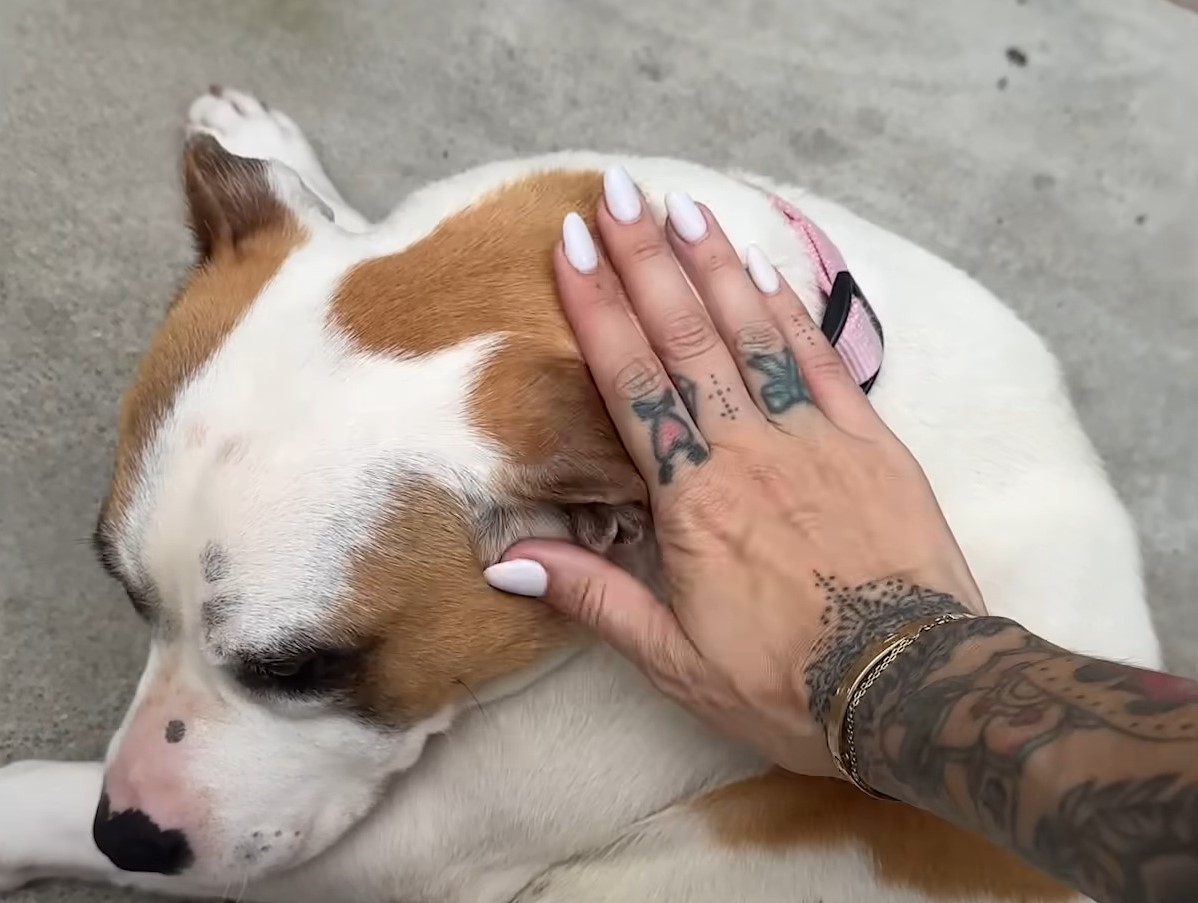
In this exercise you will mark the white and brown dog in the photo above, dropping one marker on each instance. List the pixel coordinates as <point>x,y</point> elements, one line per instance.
<point>339,424</point>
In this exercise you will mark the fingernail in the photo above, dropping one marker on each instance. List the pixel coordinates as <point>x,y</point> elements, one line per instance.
<point>623,200</point>
<point>521,576</point>
<point>579,246</point>
<point>685,216</point>
<point>761,271</point>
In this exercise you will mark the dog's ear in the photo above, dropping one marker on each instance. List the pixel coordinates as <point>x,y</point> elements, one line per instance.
<point>574,476</point>
<point>229,198</point>
<point>588,476</point>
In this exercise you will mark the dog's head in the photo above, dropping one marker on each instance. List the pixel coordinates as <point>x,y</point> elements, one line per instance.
<point>324,445</point>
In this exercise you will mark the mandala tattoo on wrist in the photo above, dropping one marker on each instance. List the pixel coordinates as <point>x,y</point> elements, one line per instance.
<point>857,617</point>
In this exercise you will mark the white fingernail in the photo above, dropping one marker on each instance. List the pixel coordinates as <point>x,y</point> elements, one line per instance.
<point>623,200</point>
<point>685,216</point>
<point>579,246</point>
<point>521,576</point>
<point>761,271</point>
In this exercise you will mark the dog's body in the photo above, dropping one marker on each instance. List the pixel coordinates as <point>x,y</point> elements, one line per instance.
<point>339,424</point>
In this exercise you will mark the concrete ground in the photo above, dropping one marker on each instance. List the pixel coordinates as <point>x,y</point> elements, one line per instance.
<point>1048,147</point>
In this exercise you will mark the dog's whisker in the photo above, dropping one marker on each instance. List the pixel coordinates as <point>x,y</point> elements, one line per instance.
<point>477,702</point>
<point>245,883</point>
<point>466,687</point>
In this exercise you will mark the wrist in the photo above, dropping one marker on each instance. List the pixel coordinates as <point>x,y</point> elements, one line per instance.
<point>884,721</point>
<point>857,683</point>
<point>855,619</point>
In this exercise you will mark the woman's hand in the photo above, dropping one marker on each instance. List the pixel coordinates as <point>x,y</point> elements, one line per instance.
<point>784,508</point>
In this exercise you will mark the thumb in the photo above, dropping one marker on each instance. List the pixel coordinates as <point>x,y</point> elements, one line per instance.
<point>593,591</point>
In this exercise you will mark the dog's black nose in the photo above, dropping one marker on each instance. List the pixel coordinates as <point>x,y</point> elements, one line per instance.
<point>135,844</point>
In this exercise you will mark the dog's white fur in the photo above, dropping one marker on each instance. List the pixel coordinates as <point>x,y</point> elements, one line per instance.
<point>570,784</point>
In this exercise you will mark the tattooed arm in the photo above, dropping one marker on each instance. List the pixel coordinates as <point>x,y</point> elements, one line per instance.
<point>1086,768</point>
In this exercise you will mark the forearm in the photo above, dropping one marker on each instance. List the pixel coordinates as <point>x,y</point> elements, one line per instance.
<point>1085,768</point>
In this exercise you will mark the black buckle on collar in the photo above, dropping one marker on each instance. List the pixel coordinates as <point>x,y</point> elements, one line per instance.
<point>836,314</point>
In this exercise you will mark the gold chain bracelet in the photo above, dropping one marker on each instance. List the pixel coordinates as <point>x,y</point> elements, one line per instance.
<point>858,681</point>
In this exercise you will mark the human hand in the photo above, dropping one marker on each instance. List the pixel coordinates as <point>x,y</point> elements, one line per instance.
<point>782,504</point>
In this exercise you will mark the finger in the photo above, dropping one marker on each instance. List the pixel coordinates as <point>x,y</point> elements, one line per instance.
<point>673,319</point>
<point>608,600</point>
<point>829,382</point>
<point>659,433</point>
<point>767,363</point>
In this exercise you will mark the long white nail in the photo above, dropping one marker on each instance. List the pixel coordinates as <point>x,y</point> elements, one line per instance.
<point>521,576</point>
<point>685,216</point>
<point>761,271</point>
<point>579,246</point>
<point>623,200</point>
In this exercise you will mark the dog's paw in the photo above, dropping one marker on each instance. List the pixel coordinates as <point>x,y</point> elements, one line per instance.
<point>248,128</point>
<point>46,810</point>
<point>15,872</point>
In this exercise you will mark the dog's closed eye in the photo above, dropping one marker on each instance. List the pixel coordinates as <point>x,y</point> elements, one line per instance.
<point>311,672</point>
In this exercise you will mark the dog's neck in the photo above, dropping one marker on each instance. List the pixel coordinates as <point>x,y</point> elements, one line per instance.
<point>563,767</point>
<point>585,749</point>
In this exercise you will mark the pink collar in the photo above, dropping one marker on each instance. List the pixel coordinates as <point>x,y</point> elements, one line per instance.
<point>849,322</point>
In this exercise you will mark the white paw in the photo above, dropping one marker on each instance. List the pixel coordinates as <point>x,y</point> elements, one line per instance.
<point>45,820</point>
<point>248,128</point>
<point>15,873</point>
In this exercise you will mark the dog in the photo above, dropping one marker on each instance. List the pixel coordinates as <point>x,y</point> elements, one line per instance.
<point>340,423</point>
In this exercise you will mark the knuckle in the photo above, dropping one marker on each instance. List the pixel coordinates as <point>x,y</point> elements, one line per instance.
<point>590,601</point>
<point>646,249</point>
<point>824,366</point>
<point>711,508</point>
<point>769,475</point>
<point>761,337</point>
<point>719,260</point>
<point>688,335</point>
<point>638,378</point>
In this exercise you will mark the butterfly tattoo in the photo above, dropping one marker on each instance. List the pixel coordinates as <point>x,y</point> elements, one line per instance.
<point>783,388</point>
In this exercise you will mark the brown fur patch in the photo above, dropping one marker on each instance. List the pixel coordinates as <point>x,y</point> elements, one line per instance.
<point>419,593</point>
<point>485,269</point>
<point>910,848</point>
<point>244,234</point>
<point>434,628</point>
<point>489,270</point>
